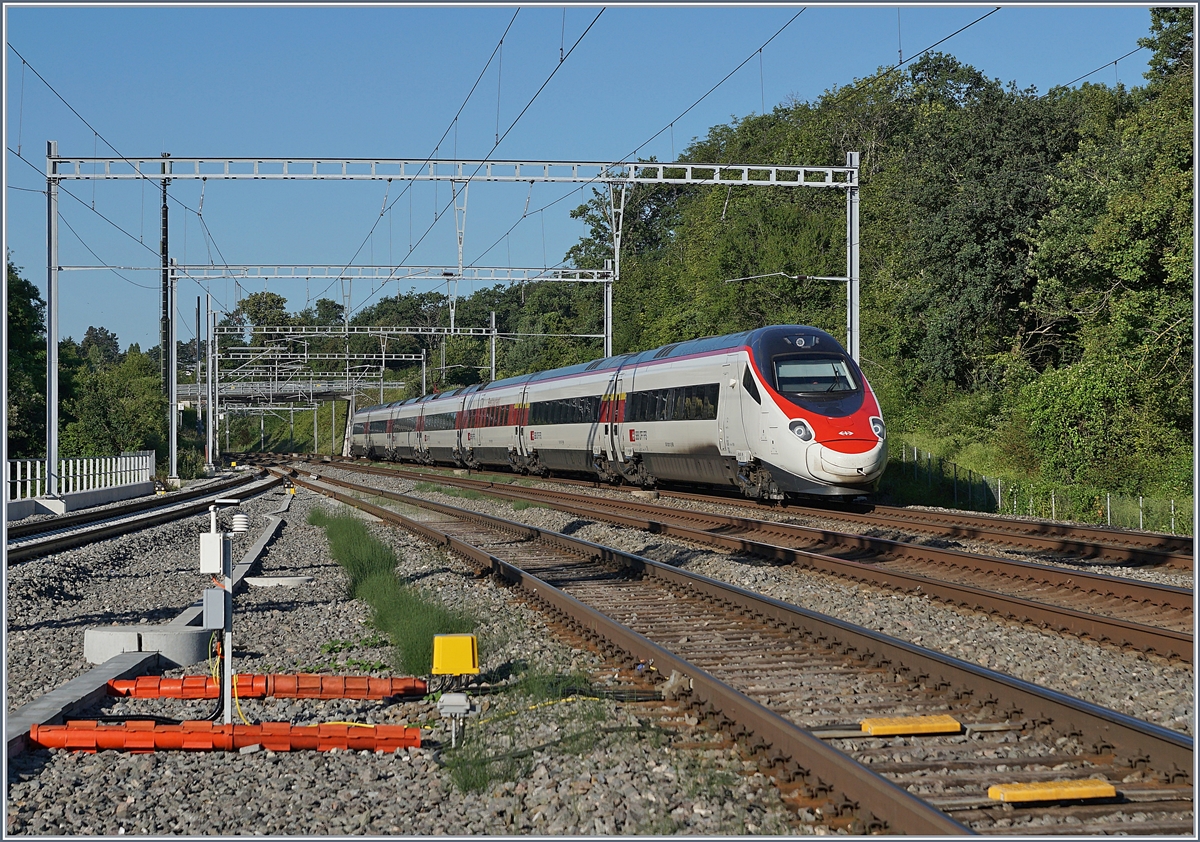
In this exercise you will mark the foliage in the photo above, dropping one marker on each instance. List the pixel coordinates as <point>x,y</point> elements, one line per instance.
<point>101,347</point>
<point>117,408</point>
<point>26,386</point>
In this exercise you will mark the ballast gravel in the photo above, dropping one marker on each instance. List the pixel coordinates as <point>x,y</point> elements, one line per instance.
<point>143,578</point>
<point>589,766</point>
<point>1127,682</point>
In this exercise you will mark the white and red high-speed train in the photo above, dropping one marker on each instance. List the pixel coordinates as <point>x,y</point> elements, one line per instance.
<point>778,411</point>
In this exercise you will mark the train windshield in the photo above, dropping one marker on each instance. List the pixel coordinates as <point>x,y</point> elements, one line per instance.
<point>812,375</point>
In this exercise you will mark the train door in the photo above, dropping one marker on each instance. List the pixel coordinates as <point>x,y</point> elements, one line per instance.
<point>466,426</point>
<point>614,398</point>
<point>521,409</point>
<point>730,429</point>
<point>751,410</point>
<point>622,443</point>
<point>460,421</point>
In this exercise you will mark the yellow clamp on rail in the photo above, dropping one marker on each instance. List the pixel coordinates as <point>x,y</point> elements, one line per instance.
<point>1052,791</point>
<point>890,726</point>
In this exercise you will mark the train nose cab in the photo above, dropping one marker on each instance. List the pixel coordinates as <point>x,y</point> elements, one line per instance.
<point>835,432</point>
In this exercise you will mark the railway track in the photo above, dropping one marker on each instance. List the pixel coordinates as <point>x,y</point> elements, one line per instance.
<point>1101,545</point>
<point>52,535</point>
<point>795,687</point>
<point>1138,615</point>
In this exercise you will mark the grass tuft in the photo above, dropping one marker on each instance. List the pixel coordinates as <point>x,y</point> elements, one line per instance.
<point>409,618</point>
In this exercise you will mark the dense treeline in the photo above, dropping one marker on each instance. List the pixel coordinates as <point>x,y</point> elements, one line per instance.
<point>1026,264</point>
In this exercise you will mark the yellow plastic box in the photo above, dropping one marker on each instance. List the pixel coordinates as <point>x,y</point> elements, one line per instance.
<point>455,654</point>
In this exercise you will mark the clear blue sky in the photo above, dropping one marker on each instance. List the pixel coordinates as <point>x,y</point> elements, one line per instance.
<point>386,82</point>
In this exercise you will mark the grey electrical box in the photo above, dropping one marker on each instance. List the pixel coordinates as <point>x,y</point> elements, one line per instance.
<point>214,608</point>
<point>216,551</point>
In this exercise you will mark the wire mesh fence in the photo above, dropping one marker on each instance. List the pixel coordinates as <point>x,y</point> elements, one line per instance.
<point>919,477</point>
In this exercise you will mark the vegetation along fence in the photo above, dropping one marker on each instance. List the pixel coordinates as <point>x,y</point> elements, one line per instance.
<point>918,477</point>
<point>26,478</point>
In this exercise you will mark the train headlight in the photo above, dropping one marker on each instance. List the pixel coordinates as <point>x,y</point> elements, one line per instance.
<point>801,429</point>
<point>877,426</point>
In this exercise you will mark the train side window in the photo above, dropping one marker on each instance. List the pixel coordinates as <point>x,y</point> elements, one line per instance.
<point>750,386</point>
<point>712,394</point>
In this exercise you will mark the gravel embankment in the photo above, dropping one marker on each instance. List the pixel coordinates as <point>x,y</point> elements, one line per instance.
<point>1123,681</point>
<point>618,770</point>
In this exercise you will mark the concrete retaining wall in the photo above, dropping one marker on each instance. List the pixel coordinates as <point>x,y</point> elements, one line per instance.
<point>77,500</point>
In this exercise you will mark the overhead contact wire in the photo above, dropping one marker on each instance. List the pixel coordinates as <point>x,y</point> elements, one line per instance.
<point>428,159</point>
<point>488,156</point>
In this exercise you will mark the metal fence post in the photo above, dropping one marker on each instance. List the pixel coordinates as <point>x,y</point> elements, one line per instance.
<point>999,496</point>
<point>1053,509</point>
<point>1108,505</point>
<point>1172,515</point>
<point>1141,519</point>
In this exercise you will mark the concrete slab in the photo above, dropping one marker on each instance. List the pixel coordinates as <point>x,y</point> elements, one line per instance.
<point>77,500</point>
<point>179,646</point>
<point>76,695</point>
<point>105,642</point>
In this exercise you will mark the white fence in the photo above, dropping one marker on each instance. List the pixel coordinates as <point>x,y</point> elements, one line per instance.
<point>25,478</point>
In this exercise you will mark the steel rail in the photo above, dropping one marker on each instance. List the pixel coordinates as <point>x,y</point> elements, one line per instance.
<point>57,543</point>
<point>1147,592</point>
<point>21,530</point>
<point>1116,546</point>
<point>1134,742</point>
<point>878,802</point>
<point>1169,643</point>
<point>1113,545</point>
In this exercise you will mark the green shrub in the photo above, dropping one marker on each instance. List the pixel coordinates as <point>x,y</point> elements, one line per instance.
<point>409,618</point>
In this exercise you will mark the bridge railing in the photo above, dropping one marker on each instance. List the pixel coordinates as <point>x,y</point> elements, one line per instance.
<point>26,478</point>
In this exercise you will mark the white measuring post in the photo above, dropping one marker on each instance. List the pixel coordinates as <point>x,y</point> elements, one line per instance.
<point>216,556</point>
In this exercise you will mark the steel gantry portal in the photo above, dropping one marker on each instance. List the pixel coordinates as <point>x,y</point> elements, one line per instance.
<point>618,177</point>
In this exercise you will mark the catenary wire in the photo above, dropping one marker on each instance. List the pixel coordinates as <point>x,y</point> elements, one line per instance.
<point>429,158</point>
<point>142,177</point>
<point>63,189</point>
<point>103,263</point>
<point>670,126</point>
<point>489,154</point>
<point>1097,70</point>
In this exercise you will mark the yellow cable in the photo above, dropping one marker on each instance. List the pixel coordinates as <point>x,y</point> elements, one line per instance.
<point>237,703</point>
<point>354,724</point>
<point>537,706</point>
<point>212,663</point>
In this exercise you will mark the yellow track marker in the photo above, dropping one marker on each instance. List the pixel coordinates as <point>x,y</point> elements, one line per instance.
<point>886,726</point>
<point>1052,791</point>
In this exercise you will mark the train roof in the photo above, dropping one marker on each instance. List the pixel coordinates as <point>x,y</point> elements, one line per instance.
<point>688,347</point>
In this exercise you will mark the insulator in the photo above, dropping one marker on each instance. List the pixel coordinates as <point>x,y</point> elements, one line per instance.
<point>241,522</point>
